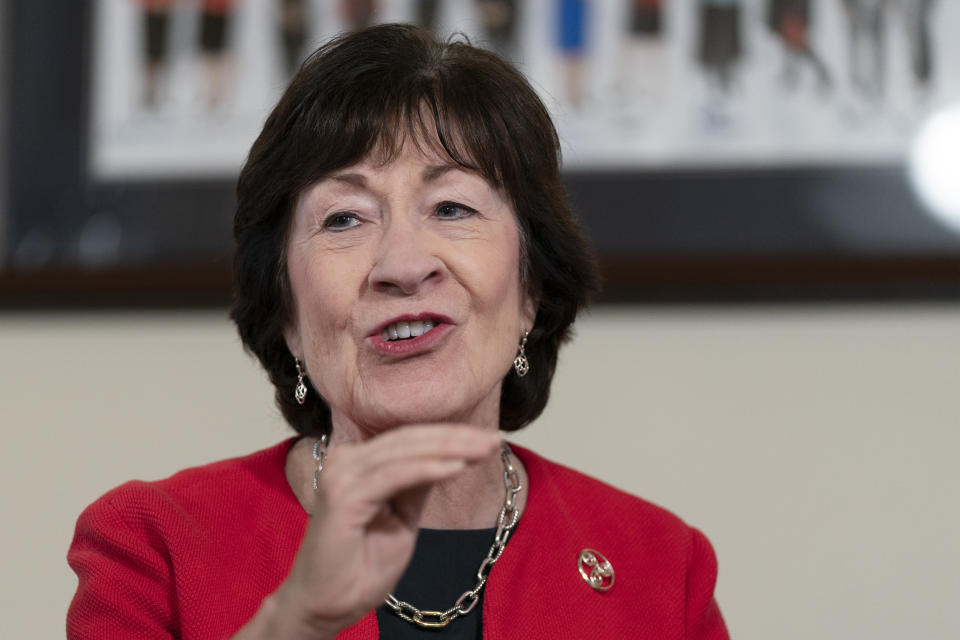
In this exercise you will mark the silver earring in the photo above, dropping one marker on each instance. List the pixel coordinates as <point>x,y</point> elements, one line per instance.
<point>300,392</point>
<point>520,364</point>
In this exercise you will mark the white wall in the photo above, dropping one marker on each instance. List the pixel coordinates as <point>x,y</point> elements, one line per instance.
<point>815,446</point>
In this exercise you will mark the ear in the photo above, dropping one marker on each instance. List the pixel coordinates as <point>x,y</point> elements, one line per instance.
<point>291,335</point>
<point>528,312</point>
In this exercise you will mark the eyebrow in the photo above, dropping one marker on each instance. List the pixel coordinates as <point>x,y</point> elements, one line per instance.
<point>435,172</point>
<point>355,179</point>
<point>430,174</point>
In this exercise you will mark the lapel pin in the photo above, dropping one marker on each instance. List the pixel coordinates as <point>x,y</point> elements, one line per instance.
<point>595,569</point>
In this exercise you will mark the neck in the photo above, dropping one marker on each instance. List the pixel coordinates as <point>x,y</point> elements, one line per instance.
<point>472,500</point>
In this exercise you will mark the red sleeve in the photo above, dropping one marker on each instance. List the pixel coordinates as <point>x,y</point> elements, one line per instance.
<point>124,580</point>
<point>704,621</point>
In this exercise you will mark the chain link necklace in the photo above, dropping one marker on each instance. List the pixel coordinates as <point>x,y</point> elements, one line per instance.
<point>506,521</point>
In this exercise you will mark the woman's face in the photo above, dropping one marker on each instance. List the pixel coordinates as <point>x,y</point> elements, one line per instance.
<point>417,247</point>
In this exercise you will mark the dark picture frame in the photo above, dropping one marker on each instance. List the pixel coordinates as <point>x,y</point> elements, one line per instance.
<point>751,234</point>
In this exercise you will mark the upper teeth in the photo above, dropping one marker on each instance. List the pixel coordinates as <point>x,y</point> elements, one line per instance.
<point>404,329</point>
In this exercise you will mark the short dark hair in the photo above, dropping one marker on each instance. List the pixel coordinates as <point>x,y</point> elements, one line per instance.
<point>366,92</point>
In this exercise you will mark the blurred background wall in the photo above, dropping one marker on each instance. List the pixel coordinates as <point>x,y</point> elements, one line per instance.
<point>797,401</point>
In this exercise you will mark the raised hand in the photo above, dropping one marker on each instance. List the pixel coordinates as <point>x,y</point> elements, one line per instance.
<point>364,526</point>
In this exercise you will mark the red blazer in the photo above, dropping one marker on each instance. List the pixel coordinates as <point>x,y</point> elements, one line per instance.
<point>194,555</point>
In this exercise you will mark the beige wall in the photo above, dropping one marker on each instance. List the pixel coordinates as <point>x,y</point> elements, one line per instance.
<point>815,446</point>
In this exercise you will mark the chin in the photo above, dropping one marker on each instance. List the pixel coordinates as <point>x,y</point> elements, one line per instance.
<point>401,409</point>
<point>412,413</point>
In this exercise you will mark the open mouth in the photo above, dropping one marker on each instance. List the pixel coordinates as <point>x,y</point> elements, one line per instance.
<point>407,329</point>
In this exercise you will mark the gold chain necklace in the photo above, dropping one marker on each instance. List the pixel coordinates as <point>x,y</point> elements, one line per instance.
<point>506,521</point>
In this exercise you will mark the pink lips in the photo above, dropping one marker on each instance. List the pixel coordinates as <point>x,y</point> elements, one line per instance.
<point>411,346</point>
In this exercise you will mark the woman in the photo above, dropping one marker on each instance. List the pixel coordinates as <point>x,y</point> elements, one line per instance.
<point>406,270</point>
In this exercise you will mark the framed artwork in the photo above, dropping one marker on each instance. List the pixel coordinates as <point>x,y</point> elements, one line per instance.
<point>4,120</point>
<point>715,149</point>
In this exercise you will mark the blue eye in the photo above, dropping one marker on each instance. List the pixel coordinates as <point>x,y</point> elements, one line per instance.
<point>340,222</point>
<point>454,211</point>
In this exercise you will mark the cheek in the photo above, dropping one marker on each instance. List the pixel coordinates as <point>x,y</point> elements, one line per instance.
<point>323,307</point>
<point>508,276</point>
<point>499,281</point>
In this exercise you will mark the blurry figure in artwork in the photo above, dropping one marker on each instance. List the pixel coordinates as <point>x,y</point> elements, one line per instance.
<point>867,56</point>
<point>643,59</point>
<point>916,19</point>
<point>358,14</point>
<point>498,19</point>
<point>293,32</point>
<point>215,18</point>
<point>790,21</point>
<point>426,14</point>
<point>719,51</point>
<point>572,18</point>
<point>720,42</point>
<point>156,26</point>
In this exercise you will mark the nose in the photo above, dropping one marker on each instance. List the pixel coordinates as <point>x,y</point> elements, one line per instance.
<point>405,262</point>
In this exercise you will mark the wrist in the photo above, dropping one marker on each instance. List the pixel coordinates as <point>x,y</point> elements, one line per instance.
<point>280,619</point>
<point>292,618</point>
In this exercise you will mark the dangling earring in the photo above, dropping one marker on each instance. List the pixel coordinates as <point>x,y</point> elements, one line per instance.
<point>300,391</point>
<point>520,364</point>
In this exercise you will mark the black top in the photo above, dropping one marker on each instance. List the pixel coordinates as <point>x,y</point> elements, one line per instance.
<point>444,565</point>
